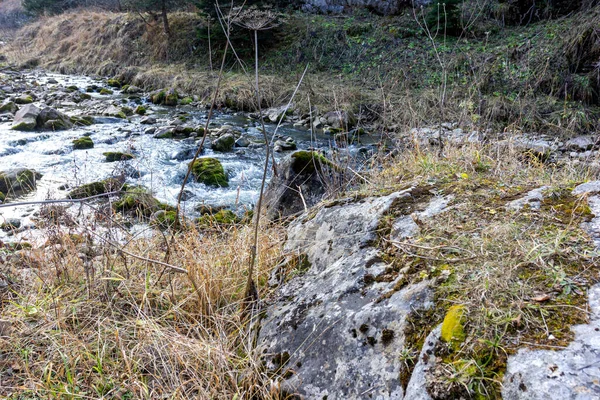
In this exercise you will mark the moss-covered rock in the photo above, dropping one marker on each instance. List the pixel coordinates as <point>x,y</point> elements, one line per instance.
<point>106,92</point>
<point>308,162</point>
<point>210,172</point>
<point>127,111</point>
<point>18,181</point>
<point>72,89</point>
<point>222,217</point>
<point>82,143</point>
<point>165,219</point>
<point>82,120</point>
<point>224,143</point>
<point>140,110</point>
<point>186,100</point>
<point>8,106</point>
<point>95,188</point>
<point>2,197</point>
<point>112,156</point>
<point>453,330</point>
<point>138,200</point>
<point>25,99</point>
<point>114,83</point>
<point>158,97</point>
<point>171,98</point>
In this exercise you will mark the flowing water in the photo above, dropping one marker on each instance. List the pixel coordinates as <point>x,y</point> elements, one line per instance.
<point>160,164</point>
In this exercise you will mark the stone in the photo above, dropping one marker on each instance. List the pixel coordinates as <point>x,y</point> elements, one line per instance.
<point>572,373</point>
<point>243,141</point>
<point>209,171</point>
<point>533,199</point>
<point>24,99</point>
<point>415,390</point>
<point>284,145</point>
<point>333,330</point>
<point>10,224</point>
<point>580,143</point>
<point>340,119</point>
<point>18,181</point>
<point>148,121</point>
<point>224,143</point>
<point>302,172</point>
<point>51,119</point>
<point>83,143</point>
<point>26,118</point>
<point>95,188</point>
<point>8,107</point>
<point>113,156</point>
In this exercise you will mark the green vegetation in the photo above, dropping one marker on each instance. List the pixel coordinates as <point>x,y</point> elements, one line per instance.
<point>113,156</point>
<point>95,188</point>
<point>210,172</point>
<point>84,142</point>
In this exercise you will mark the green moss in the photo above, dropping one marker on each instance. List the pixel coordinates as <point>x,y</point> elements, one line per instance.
<point>72,88</point>
<point>139,201</point>
<point>167,135</point>
<point>82,120</point>
<point>2,197</point>
<point>308,162</point>
<point>84,142</point>
<point>223,217</point>
<point>24,126</point>
<point>124,88</point>
<point>105,91</point>
<point>127,111</point>
<point>158,97</point>
<point>24,100</point>
<point>95,188</point>
<point>171,98</point>
<point>112,156</point>
<point>140,110</point>
<point>186,101</point>
<point>114,83</point>
<point>210,172</point>
<point>453,330</point>
<point>166,219</point>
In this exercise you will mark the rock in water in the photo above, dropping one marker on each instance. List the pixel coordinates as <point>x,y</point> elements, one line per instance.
<point>18,181</point>
<point>301,173</point>
<point>26,118</point>
<point>224,143</point>
<point>334,330</point>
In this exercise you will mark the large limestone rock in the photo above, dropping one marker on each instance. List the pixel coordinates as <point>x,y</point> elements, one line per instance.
<point>572,373</point>
<point>336,330</point>
<point>31,117</point>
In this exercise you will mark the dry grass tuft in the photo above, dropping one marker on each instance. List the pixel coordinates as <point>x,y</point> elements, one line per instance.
<point>80,319</point>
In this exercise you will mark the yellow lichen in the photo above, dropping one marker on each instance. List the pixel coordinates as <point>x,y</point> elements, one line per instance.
<point>453,330</point>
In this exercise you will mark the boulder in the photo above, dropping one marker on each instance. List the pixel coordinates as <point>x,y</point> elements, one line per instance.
<point>209,171</point>
<point>31,117</point>
<point>224,143</point>
<point>26,118</point>
<point>340,119</point>
<point>580,143</point>
<point>336,328</point>
<point>285,145</point>
<point>24,99</point>
<point>148,121</point>
<point>18,181</point>
<point>302,172</point>
<point>8,107</point>
<point>96,188</point>
<point>83,143</point>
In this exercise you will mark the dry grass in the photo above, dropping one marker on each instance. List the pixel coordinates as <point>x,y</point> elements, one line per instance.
<point>522,275</point>
<point>129,329</point>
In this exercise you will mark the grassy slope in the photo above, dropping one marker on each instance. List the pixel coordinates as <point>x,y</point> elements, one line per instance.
<point>532,78</point>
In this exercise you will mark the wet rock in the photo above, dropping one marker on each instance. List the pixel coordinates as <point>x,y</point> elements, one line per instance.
<point>298,184</point>
<point>26,118</point>
<point>18,181</point>
<point>10,224</point>
<point>24,99</point>
<point>52,119</point>
<point>148,121</point>
<point>425,364</point>
<point>114,111</point>
<point>209,171</point>
<point>8,107</point>
<point>224,143</point>
<point>242,142</point>
<point>113,156</point>
<point>284,145</point>
<point>334,331</point>
<point>82,143</point>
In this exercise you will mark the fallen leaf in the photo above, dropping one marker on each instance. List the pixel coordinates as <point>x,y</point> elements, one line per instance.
<point>541,298</point>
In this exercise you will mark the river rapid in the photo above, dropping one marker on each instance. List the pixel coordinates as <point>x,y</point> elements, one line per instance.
<point>159,164</point>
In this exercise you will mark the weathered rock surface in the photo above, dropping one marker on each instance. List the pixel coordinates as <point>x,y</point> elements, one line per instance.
<point>572,373</point>
<point>569,374</point>
<point>31,117</point>
<point>224,143</point>
<point>533,199</point>
<point>334,328</point>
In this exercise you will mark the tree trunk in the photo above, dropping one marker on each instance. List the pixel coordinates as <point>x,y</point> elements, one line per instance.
<point>165,18</point>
